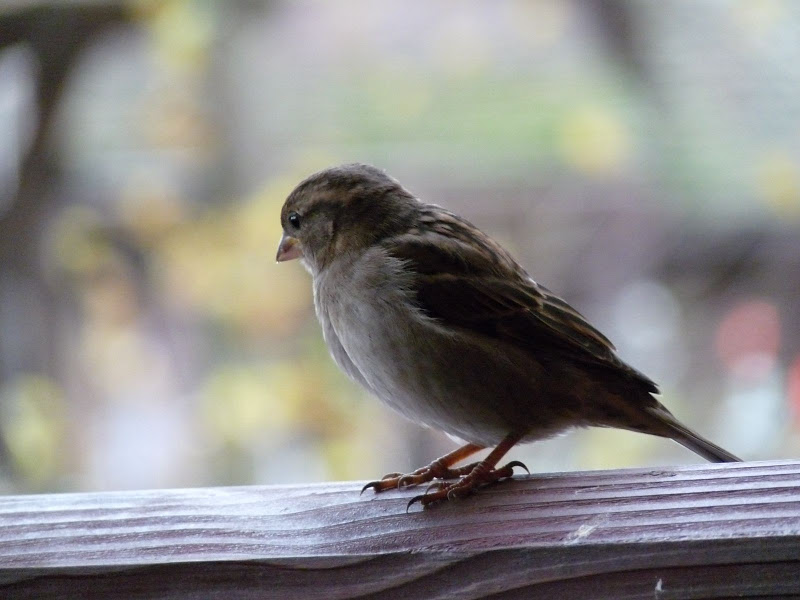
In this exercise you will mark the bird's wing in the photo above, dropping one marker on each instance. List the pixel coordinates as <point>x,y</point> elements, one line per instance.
<point>463,281</point>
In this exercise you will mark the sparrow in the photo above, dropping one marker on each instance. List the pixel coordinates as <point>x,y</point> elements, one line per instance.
<point>436,319</point>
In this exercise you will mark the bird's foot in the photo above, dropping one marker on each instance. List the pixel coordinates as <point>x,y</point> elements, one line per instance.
<point>436,470</point>
<point>479,475</point>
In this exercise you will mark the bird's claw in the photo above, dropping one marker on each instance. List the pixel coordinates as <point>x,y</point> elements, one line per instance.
<point>423,475</point>
<point>394,480</point>
<point>472,476</point>
<point>465,486</point>
<point>420,498</point>
<point>413,500</point>
<point>371,484</point>
<point>517,463</point>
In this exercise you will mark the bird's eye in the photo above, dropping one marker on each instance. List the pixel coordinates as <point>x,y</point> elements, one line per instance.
<point>294,220</point>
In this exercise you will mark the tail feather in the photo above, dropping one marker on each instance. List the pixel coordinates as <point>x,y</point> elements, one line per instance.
<point>689,439</point>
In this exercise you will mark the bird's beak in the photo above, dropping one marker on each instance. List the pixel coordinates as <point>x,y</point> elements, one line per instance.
<point>288,249</point>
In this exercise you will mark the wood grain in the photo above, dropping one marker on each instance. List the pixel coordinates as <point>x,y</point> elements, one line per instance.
<point>706,531</point>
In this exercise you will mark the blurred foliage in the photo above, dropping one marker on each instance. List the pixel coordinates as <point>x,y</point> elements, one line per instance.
<point>778,183</point>
<point>236,281</point>
<point>33,419</point>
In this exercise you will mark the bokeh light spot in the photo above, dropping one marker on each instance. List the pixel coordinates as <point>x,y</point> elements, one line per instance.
<point>594,140</point>
<point>778,182</point>
<point>748,338</point>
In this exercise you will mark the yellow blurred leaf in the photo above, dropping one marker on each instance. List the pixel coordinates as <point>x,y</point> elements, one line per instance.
<point>594,139</point>
<point>778,182</point>
<point>33,424</point>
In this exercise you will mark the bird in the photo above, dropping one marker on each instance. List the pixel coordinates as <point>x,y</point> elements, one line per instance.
<point>440,322</point>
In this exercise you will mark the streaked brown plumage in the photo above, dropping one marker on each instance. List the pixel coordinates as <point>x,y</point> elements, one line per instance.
<point>440,322</point>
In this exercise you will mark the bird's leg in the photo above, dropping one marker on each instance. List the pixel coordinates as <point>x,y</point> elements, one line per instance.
<point>438,469</point>
<point>481,474</point>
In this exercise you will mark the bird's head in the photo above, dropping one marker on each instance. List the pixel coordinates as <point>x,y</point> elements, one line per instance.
<point>342,210</point>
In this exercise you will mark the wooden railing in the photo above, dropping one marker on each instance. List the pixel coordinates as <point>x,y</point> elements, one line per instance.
<point>703,531</point>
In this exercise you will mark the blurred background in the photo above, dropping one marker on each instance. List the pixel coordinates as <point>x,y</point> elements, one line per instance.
<point>641,159</point>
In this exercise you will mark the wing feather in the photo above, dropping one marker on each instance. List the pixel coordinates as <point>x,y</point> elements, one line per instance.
<point>466,280</point>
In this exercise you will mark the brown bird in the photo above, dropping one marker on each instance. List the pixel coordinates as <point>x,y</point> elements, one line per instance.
<point>438,321</point>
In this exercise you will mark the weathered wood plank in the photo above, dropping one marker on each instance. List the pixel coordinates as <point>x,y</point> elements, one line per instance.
<point>706,531</point>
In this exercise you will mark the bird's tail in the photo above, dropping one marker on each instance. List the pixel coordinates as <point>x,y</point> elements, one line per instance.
<point>672,428</point>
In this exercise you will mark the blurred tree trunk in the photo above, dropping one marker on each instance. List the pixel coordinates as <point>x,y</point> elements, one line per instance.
<point>55,33</point>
